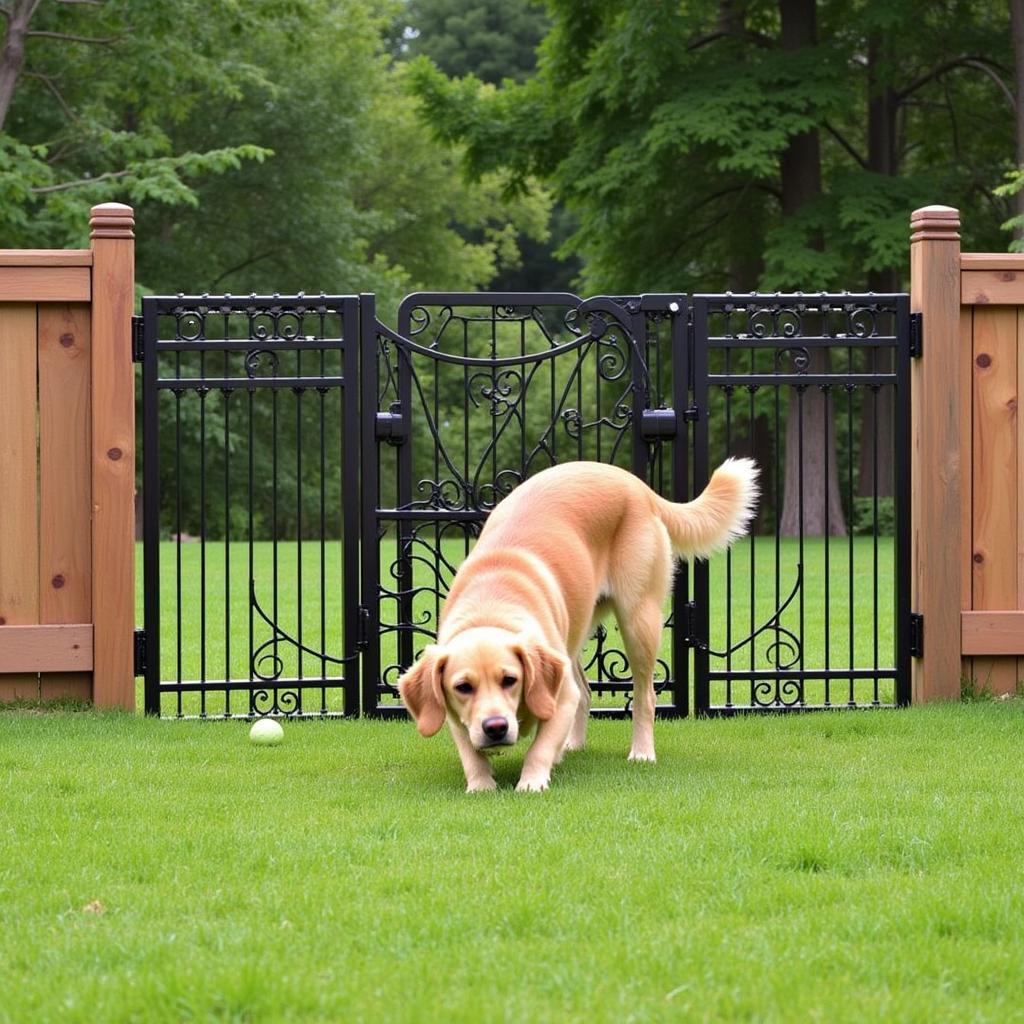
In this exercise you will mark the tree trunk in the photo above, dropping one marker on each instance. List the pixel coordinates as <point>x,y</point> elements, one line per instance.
<point>1017,23</point>
<point>811,502</point>
<point>883,158</point>
<point>13,58</point>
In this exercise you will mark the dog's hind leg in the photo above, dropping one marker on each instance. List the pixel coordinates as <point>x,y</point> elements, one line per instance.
<point>578,735</point>
<point>641,630</point>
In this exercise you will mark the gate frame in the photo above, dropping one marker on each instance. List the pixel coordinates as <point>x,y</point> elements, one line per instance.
<point>347,308</point>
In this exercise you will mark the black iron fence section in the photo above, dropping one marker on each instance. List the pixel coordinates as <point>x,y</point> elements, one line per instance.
<point>250,428</point>
<point>813,609</point>
<point>314,478</point>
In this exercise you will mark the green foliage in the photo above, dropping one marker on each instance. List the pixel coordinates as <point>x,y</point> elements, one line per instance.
<point>663,128</point>
<point>864,516</point>
<point>492,39</point>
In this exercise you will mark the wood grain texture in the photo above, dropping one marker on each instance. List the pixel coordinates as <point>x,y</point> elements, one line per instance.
<point>992,261</point>
<point>65,502</point>
<point>966,355</point>
<point>19,504</point>
<point>45,284</point>
<point>45,257</point>
<point>936,453</point>
<point>113,457</point>
<point>993,633</point>
<point>994,479</point>
<point>54,648</point>
<point>992,287</point>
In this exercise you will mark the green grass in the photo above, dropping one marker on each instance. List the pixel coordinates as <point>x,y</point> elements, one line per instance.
<point>227,623</point>
<point>840,867</point>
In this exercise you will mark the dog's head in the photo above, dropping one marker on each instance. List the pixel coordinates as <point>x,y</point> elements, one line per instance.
<point>482,677</point>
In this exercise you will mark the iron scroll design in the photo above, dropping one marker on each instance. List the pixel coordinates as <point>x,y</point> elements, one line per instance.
<point>596,332</point>
<point>268,649</point>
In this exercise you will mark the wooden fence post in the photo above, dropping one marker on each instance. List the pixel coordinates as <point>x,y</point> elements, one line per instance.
<point>113,455</point>
<point>935,445</point>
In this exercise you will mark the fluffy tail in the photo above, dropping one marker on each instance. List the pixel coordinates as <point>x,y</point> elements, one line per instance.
<point>719,515</point>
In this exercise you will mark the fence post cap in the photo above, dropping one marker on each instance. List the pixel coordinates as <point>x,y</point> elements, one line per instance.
<point>935,223</point>
<point>112,220</point>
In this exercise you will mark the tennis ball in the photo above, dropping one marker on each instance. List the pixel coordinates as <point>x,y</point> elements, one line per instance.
<point>265,732</point>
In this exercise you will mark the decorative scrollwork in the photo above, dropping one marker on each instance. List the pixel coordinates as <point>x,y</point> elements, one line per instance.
<point>274,702</point>
<point>777,693</point>
<point>799,356</point>
<point>774,321</point>
<point>785,639</point>
<point>254,363</point>
<point>189,325</point>
<point>267,651</point>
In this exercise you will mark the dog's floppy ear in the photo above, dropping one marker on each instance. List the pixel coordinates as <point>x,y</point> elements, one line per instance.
<point>543,669</point>
<point>421,691</point>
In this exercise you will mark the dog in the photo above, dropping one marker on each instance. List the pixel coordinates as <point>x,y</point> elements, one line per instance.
<point>565,548</point>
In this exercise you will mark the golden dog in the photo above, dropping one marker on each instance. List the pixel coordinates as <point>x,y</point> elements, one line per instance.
<point>564,548</point>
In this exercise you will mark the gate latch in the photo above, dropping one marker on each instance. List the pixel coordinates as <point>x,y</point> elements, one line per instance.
<point>139,653</point>
<point>137,336</point>
<point>391,426</point>
<point>916,635</point>
<point>657,424</point>
<point>362,627</point>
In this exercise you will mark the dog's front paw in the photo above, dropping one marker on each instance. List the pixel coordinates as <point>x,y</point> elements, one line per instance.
<point>533,783</point>
<point>642,754</point>
<point>483,784</point>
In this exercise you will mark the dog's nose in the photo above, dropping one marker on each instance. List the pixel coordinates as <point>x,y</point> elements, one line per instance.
<point>495,728</point>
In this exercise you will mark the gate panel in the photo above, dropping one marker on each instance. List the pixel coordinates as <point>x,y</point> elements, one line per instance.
<point>470,396</point>
<point>812,611</point>
<point>250,427</point>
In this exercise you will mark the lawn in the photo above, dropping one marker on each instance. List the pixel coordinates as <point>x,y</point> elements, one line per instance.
<point>835,867</point>
<point>735,612</point>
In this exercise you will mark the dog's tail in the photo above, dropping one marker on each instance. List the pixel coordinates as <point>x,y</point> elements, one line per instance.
<point>719,515</point>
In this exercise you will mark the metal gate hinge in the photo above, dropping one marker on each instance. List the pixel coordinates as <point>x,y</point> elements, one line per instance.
<point>139,652</point>
<point>391,426</point>
<point>691,414</point>
<point>362,627</point>
<point>916,335</point>
<point>657,423</point>
<point>137,343</point>
<point>916,635</point>
<point>689,623</point>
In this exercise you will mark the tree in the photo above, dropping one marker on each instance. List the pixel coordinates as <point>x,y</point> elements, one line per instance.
<point>88,89</point>
<point>683,137</point>
<point>494,40</point>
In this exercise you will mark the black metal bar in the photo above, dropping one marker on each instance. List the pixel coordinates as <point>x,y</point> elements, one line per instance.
<point>679,355</point>
<point>247,383</point>
<point>806,379</point>
<point>701,588</point>
<point>355,485</point>
<point>903,455</point>
<point>803,674</point>
<point>369,472</point>
<point>151,509</point>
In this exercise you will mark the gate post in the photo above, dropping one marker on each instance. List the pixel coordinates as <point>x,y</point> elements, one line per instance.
<point>113,455</point>
<point>935,450</point>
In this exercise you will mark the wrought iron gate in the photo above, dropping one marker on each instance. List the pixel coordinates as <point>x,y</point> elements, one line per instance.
<point>250,491</point>
<point>472,394</point>
<point>313,478</point>
<point>785,620</point>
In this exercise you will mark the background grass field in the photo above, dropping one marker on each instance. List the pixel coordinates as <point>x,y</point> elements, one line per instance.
<point>834,867</point>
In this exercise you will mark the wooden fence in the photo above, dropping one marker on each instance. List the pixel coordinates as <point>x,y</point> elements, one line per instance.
<point>67,468</point>
<point>969,461</point>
